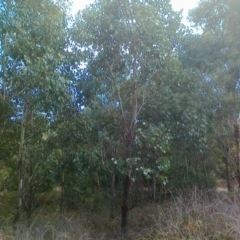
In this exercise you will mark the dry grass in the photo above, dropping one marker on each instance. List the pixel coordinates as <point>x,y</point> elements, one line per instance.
<point>46,229</point>
<point>198,216</point>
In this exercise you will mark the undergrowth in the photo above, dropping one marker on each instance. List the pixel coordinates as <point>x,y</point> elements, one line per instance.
<point>200,215</point>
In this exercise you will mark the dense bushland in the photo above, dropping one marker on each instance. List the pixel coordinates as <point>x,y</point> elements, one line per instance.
<point>115,112</point>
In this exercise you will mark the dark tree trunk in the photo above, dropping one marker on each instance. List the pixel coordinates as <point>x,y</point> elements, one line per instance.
<point>126,188</point>
<point>62,194</point>
<point>229,186</point>
<point>126,185</point>
<point>4,64</point>
<point>29,206</point>
<point>113,197</point>
<point>129,137</point>
<point>236,136</point>
<point>204,170</point>
<point>154,188</point>
<point>21,166</point>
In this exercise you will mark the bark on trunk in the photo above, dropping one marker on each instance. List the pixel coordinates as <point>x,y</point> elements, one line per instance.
<point>21,166</point>
<point>62,196</point>
<point>128,125</point>
<point>126,188</point>
<point>229,186</point>
<point>113,197</point>
<point>4,51</point>
<point>4,64</point>
<point>204,172</point>
<point>154,189</point>
<point>236,136</point>
<point>29,206</point>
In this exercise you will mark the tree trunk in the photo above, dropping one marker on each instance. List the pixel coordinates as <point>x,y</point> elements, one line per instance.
<point>129,137</point>
<point>62,196</point>
<point>113,197</point>
<point>30,199</point>
<point>229,186</point>
<point>4,63</point>
<point>204,172</point>
<point>236,136</point>
<point>21,166</point>
<point>4,51</point>
<point>126,186</point>
<point>126,189</point>
<point>154,189</point>
<point>196,172</point>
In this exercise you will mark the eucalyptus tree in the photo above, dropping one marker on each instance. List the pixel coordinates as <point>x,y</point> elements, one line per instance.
<point>213,55</point>
<point>129,46</point>
<point>8,129</point>
<point>33,41</point>
<point>180,105</point>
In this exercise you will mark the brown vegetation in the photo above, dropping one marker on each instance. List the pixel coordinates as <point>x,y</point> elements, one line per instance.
<point>200,215</point>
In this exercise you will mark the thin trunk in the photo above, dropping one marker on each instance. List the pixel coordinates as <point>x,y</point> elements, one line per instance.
<point>4,64</point>
<point>126,185</point>
<point>21,166</point>
<point>113,185</point>
<point>204,172</point>
<point>154,189</point>
<point>30,199</point>
<point>236,136</point>
<point>62,196</point>
<point>150,195</point>
<point>98,181</point>
<point>126,189</point>
<point>113,197</point>
<point>229,186</point>
<point>129,137</point>
<point>196,169</point>
<point>3,48</point>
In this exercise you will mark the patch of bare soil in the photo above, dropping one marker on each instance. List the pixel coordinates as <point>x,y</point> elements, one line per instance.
<point>222,185</point>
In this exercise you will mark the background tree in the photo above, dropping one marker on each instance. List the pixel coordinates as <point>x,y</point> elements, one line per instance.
<point>33,83</point>
<point>121,103</point>
<point>219,71</point>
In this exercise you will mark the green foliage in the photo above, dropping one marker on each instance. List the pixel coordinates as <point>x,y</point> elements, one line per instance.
<point>218,71</point>
<point>123,89</point>
<point>120,36</point>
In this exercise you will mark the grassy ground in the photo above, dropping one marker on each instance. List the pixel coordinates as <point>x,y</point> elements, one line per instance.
<point>198,216</point>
